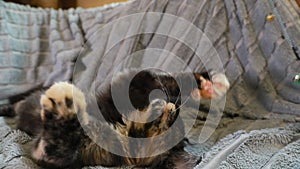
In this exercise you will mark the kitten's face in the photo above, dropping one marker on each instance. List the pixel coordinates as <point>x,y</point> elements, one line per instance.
<point>209,89</point>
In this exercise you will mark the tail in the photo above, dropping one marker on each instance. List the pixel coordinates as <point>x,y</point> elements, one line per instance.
<point>7,110</point>
<point>182,160</point>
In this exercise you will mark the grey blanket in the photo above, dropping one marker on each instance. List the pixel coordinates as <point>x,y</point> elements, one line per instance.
<point>87,46</point>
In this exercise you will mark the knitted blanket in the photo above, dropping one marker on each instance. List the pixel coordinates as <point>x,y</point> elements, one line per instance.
<point>87,46</point>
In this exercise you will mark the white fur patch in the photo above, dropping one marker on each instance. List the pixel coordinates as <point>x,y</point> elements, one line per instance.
<point>39,152</point>
<point>58,93</point>
<point>220,84</point>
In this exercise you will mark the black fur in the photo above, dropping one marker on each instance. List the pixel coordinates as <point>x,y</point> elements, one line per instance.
<point>67,144</point>
<point>28,111</point>
<point>142,83</point>
<point>7,110</point>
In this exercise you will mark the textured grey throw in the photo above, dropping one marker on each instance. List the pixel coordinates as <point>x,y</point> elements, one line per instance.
<point>42,46</point>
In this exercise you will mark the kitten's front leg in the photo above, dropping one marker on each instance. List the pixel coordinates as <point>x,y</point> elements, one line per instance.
<point>59,141</point>
<point>151,128</point>
<point>168,117</point>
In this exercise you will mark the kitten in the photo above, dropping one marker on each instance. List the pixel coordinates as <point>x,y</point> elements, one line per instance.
<point>61,141</point>
<point>141,84</point>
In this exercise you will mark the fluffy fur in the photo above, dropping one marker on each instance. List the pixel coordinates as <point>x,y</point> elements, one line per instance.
<point>61,142</point>
<point>142,83</point>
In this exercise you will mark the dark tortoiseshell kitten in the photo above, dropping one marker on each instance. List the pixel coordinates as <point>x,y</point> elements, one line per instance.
<point>51,116</point>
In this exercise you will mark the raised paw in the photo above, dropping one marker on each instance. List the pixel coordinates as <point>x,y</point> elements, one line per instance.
<point>215,87</point>
<point>170,107</point>
<point>165,109</point>
<point>157,104</point>
<point>220,84</point>
<point>168,115</point>
<point>61,134</point>
<point>62,100</point>
<point>165,115</point>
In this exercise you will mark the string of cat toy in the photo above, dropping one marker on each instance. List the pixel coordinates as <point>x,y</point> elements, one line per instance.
<point>282,24</point>
<point>287,37</point>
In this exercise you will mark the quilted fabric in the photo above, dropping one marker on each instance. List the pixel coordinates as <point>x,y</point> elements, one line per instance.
<point>87,46</point>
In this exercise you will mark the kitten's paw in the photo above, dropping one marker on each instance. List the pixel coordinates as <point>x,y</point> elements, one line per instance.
<point>170,107</point>
<point>62,100</point>
<point>215,87</point>
<point>61,134</point>
<point>165,114</point>
<point>169,114</point>
<point>220,84</point>
<point>165,109</point>
<point>158,104</point>
<point>162,107</point>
